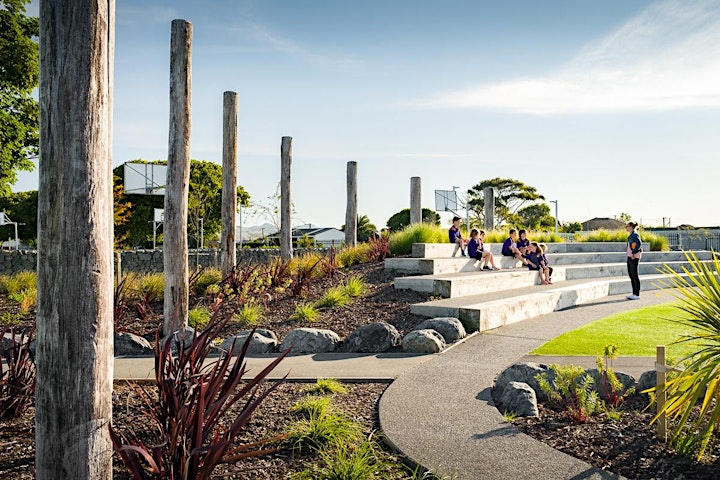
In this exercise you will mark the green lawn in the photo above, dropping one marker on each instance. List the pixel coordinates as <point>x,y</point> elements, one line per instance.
<point>636,333</point>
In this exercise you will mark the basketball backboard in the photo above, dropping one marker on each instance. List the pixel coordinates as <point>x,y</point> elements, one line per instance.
<point>159,215</point>
<point>446,201</point>
<point>145,178</point>
<point>4,220</point>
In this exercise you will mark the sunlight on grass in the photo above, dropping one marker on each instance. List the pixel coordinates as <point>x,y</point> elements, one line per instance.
<point>636,333</point>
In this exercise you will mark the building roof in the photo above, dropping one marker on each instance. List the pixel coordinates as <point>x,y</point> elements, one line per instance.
<point>598,223</point>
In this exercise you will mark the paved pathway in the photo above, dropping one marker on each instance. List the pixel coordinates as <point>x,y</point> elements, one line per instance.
<point>441,415</point>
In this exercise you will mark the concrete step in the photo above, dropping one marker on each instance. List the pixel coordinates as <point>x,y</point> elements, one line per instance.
<point>493,310</point>
<point>444,250</point>
<point>436,266</point>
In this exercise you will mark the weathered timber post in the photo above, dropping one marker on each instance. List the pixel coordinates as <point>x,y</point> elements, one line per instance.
<point>489,208</point>
<point>118,267</point>
<point>660,392</point>
<point>286,249</point>
<point>415,201</point>
<point>73,403</point>
<point>175,245</point>
<point>351,213</point>
<point>229,185</point>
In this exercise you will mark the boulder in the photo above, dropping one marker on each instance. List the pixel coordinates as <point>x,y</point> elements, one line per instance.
<point>601,386</point>
<point>263,342</point>
<point>131,345</point>
<point>647,380</point>
<point>520,399</point>
<point>310,340</point>
<point>372,338</point>
<point>450,328</point>
<point>179,337</point>
<point>423,341</point>
<point>523,373</point>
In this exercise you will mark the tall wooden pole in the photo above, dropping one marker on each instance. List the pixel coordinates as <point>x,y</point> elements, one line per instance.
<point>75,241</point>
<point>175,245</point>
<point>228,258</point>
<point>351,213</point>
<point>415,201</point>
<point>286,250</point>
<point>489,208</point>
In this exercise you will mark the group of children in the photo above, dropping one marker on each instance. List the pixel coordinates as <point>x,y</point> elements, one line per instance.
<point>531,254</point>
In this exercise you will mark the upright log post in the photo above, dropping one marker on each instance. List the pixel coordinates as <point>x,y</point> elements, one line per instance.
<point>73,403</point>
<point>228,257</point>
<point>286,249</point>
<point>489,208</point>
<point>660,392</point>
<point>175,245</point>
<point>351,212</point>
<point>415,201</point>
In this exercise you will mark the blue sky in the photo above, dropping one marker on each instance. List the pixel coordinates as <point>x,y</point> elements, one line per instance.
<point>606,107</point>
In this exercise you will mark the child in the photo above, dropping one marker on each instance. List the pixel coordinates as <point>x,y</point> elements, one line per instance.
<point>476,248</point>
<point>523,244</point>
<point>532,259</point>
<point>509,247</point>
<point>545,264</point>
<point>456,237</point>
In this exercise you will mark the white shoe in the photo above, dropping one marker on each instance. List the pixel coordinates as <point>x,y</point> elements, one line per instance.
<point>633,297</point>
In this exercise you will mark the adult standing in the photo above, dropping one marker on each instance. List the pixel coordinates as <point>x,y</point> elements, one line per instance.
<point>634,253</point>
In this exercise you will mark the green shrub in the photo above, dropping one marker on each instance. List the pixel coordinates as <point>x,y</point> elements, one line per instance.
<point>651,241</point>
<point>199,316</point>
<point>341,461</point>
<point>401,242</point>
<point>305,312</point>
<point>18,282</point>
<point>249,314</point>
<point>320,431</point>
<point>355,286</point>
<point>311,405</point>
<point>208,277</point>
<point>334,297</point>
<point>151,286</point>
<point>348,256</point>
<point>569,388</point>
<point>327,385</point>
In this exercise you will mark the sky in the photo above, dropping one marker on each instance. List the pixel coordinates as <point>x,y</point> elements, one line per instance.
<point>606,107</point>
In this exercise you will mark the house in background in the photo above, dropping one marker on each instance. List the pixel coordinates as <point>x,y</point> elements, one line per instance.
<point>599,223</point>
<point>320,236</point>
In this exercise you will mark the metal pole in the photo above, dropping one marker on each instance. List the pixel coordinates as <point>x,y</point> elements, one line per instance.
<point>556,214</point>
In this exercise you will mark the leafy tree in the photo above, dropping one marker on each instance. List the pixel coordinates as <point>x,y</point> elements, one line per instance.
<point>536,216</point>
<point>19,73</point>
<point>625,217</point>
<point>365,228</point>
<point>401,219</point>
<point>121,209</point>
<point>22,208</point>
<point>204,201</point>
<point>571,227</point>
<point>510,196</point>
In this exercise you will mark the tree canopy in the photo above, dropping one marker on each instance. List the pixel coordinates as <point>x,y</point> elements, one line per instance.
<point>19,73</point>
<point>401,219</point>
<point>510,196</point>
<point>365,228</point>
<point>21,207</point>
<point>536,216</point>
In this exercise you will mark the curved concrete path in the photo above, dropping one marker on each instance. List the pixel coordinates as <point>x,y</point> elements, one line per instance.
<point>440,413</point>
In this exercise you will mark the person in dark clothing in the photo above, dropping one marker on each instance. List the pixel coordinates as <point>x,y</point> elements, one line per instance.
<point>634,254</point>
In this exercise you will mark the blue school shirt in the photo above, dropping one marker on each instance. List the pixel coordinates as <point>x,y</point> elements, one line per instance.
<point>472,247</point>
<point>454,234</point>
<point>523,243</point>
<point>506,246</point>
<point>534,258</point>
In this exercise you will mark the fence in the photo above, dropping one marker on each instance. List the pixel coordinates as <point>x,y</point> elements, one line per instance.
<point>691,239</point>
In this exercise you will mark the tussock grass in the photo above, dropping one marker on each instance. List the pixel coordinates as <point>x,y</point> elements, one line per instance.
<point>327,385</point>
<point>199,317</point>
<point>355,286</point>
<point>249,313</point>
<point>335,297</point>
<point>401,242</point>
<point>305,312</point>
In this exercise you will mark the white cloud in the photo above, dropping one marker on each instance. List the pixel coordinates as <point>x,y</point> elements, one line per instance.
<point>665,58</point>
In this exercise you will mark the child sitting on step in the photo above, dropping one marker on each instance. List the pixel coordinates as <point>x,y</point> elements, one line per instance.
<point>455,237</point>
<point>545,264</point>
<point>476,249</point>
<point>532,260</point>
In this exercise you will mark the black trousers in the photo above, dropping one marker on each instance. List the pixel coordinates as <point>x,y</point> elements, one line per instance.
<point>632,264</point>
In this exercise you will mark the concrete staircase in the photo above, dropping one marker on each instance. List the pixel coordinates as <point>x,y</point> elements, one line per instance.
<point>483,300</point>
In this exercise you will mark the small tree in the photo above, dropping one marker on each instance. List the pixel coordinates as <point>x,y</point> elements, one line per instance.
<point>510,196</point>
<point>401,219</point>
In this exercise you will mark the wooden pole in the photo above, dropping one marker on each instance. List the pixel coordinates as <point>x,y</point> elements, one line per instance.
<point>489,208</point>
<point>351,212</point>
<point>175,246</point>
<point>660,392</point>
<point>415,201</point>
<point>73,403</point>
<point>228,259</point>
<point>286,249</point>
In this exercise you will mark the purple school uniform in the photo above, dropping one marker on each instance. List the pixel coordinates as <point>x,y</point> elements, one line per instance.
<point>506,247</point>
<point>472,248</point>
<point>454,234</point>
<point>522,243</point>
<point>534,258</point>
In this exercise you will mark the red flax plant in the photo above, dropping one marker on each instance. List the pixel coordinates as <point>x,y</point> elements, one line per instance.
<point>380,246</point>
<point>17,374</point>
<point>193,398</point>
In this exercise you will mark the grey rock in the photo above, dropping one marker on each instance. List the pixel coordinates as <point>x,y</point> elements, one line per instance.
<point>601,386</point>
<point>179,338</point>
<point>519,398</point>
<point>450,328</point>
<point>423,341</point>
<point>524,373</point>
<point>372,338</point>
<point>647,380</point>
<point>262,343</point>
<point>310,340</point>
<point>130,345</point>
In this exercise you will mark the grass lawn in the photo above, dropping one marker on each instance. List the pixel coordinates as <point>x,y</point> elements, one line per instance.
<point>635,333</point>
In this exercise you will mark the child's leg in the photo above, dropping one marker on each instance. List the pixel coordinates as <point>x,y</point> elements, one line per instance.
<point>456,248</point>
